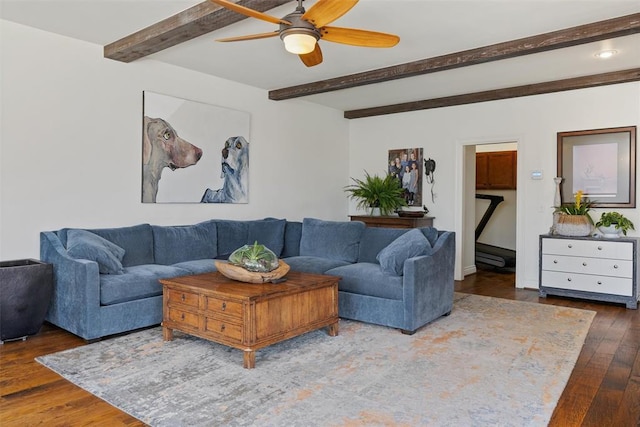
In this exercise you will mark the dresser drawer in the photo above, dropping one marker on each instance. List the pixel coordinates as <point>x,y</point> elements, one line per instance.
<point>223,328</point>
<point>585,265</point>
<point>183,318</point>
<point>587,283</point>
<point>588,248</point>
<point>187,298</point>
<point>229,308</point>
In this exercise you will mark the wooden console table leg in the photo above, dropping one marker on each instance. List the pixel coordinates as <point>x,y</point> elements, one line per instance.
<point>333,329</point>
<point>167,333</point>
<point>249,361</point>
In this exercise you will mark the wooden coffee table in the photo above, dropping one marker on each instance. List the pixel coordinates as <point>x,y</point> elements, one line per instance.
<point>249,316</point>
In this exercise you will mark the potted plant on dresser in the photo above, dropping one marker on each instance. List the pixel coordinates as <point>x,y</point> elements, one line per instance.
<point>376,192</point>
<point>573,219</point>
<point>611,224</point>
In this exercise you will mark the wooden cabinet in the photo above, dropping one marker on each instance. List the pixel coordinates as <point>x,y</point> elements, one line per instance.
<point>496,170</point>
<point>591,268</point>
<point>393,221</point>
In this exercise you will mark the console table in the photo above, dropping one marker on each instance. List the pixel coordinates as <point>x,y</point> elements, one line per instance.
<point>592,268</point>
<point>393,221</point>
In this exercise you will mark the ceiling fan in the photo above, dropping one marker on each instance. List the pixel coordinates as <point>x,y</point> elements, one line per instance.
<point>300,30</point>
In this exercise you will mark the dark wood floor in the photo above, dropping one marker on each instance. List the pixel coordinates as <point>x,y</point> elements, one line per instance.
<point>604,388</point>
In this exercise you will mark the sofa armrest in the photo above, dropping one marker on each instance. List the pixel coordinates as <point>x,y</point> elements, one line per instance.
<point>75,302</point>
<point>428,283</point>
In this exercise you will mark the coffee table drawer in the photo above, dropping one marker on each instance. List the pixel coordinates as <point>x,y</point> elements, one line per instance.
<point>183,317</point>
<point>181,297</point>
<point>220,306</point>
<point>223,328</point>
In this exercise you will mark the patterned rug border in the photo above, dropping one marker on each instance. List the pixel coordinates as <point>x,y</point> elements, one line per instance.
<point>290,383</point>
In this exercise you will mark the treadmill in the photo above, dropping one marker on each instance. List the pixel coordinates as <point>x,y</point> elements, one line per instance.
<point>489,254</point>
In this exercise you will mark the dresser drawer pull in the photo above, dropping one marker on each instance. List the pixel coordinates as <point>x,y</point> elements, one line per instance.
<point>224,307</point>
<point>570,245</point>
<point>568,279</point>
<point>599,248</point>
<point>555,261</point>
<point>615,265</point>
<point>599,282</point>
<point>182,316</point>
<point>184,297</point>
<point>222,327</point>
<point>584,264</point>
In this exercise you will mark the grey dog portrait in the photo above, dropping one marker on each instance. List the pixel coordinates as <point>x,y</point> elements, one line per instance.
<point>162,148</point>
<point>235,173</point>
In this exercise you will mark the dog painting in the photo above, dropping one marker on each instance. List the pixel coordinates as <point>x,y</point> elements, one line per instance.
<point>162,148</point>
<point>182,141</point>
<point>235,173</point>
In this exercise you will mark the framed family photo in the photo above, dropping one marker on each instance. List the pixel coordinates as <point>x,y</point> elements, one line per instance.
<point>601,163</point>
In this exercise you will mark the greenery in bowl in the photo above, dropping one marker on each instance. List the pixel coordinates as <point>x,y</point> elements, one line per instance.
<point>578,207</point>
<point>616,219</point>
<point>375,191</point>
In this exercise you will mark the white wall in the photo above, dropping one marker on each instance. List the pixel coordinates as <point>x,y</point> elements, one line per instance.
<point>71,143</point>
<point>531,121</point>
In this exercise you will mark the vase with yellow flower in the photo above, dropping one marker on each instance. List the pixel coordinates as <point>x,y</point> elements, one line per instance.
<point>573,219</point>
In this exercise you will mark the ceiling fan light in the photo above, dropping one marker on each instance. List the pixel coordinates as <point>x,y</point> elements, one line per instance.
<point>299,43</point>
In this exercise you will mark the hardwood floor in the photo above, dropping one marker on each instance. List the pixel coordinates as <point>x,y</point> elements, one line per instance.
<point>604,388</point>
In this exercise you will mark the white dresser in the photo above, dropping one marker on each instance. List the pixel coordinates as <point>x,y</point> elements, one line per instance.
<point>592,268</point>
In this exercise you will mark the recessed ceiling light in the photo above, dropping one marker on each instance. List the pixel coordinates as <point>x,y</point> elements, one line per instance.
<point>606,54</point>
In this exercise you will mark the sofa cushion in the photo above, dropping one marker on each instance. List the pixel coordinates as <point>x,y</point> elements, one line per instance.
<point>336,240</point>
<point>234,234</point>
<point>197,266</point>
<point>365,278</point>
<point>409,245</point>
<point>174,244</point>
<point>312,264</point>
<point>268,232</point>
<point>431,233</point>
<point>140,281</point>
<point>292,235</point>
<point>86,245</point>
<point>374,239</point>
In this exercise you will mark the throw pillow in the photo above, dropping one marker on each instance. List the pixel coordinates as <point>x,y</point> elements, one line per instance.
<point>268,232</point>
<point>337,240</point>
<point>409,245</point>
<point>82,244</point>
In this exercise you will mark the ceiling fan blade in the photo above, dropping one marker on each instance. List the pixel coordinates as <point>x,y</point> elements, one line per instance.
<point>249,12</point>
<point>357,37</point>
<point>326,11</point>
<point>312,58</point>
<point>249,37</point>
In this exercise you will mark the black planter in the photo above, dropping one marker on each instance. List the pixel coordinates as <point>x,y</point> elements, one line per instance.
<point>25,292</point>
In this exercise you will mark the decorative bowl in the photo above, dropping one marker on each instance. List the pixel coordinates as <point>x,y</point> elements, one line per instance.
<point>411,214</point>
<point>241,274</point>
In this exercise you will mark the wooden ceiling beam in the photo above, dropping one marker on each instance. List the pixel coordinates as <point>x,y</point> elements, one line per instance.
<point>615,77</point>
<point>602,30</point>
<point>184,26</point>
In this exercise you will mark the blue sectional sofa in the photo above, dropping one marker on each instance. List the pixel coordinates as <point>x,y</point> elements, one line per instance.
<point>106,280</point>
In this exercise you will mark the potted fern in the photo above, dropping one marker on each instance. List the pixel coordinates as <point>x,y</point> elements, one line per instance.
<point>611,224</point>
<point>374,191</point>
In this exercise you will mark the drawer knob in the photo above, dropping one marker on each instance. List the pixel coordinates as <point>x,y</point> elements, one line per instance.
<point>599,282</point>
<point>570,245</point>
<point>555,261</point>
<point>599,248</point>
<point>224,307</point>
<point>184,297</point>
<point>222,327</point>
<point>584,264</point>
<point>182,316</point>
<point>568,279</point>
<point>615,265</point>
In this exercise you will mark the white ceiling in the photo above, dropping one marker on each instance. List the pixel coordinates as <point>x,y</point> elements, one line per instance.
<point>427,28</point>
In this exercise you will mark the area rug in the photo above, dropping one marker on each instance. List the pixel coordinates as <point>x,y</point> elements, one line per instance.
<point>491,362</point>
